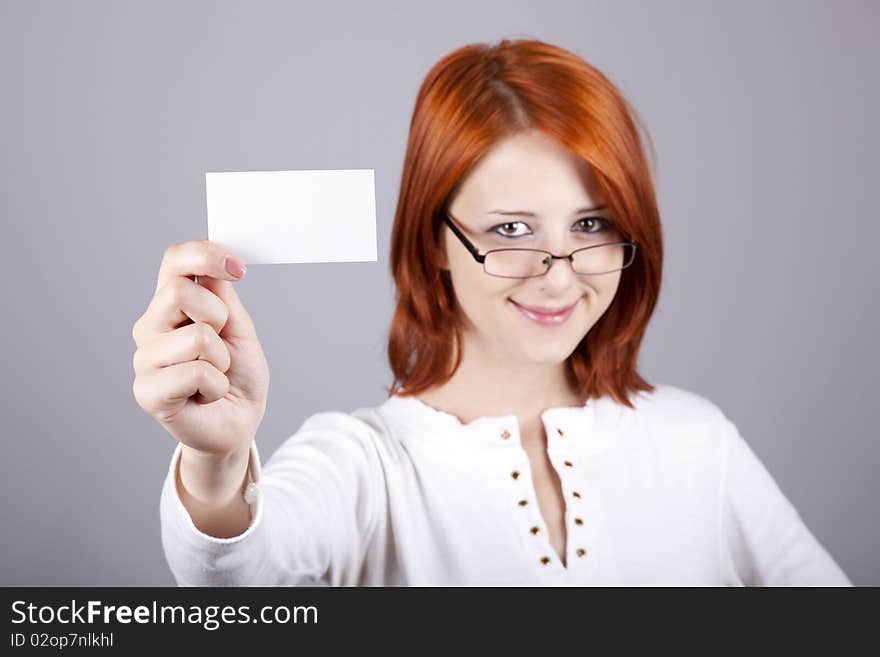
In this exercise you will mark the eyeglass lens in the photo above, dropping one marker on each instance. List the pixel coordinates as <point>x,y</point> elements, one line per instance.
<point>524,263</point>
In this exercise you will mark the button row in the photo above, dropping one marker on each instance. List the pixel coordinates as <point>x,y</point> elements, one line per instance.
<point>580,552</point>
<point>545,560</point>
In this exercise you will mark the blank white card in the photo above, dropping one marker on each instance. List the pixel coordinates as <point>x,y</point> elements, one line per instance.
<point>269,217</point>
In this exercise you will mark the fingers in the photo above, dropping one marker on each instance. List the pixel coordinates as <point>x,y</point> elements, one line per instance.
<point>239,324</point>
<point>162,392</point>
<point>177,302</point>
<point>197,341</point>
<point>196,258</point>
<point>180,295</point>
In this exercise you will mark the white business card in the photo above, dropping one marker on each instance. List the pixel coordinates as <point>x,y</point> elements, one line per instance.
<point>269,217</point>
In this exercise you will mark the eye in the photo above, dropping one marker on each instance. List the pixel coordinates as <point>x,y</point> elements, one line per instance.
<point>501,229</point>
<point>602,222</point>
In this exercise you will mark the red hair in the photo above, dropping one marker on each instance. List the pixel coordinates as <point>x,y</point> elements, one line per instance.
<point>471,99</point>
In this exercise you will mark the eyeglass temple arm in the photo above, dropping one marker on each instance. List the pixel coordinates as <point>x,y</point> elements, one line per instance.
<point>464,240</point>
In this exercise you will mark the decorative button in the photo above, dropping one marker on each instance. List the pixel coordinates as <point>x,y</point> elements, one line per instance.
<point>576,494</point>
<point>545,560</point>
<point>581,552</point>
<point>515,474</point>
<point>535,530</point>
<point>578,521</point>
<point>559,431</point>
<point>568,464</point>
<point>505,434</point>
<point>250,493</point>
<point>523,502</point>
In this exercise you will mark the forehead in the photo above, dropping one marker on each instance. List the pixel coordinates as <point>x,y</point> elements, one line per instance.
<point>527,169</point>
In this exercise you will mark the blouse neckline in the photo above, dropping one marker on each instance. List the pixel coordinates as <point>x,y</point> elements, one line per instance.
<point>591,427</point>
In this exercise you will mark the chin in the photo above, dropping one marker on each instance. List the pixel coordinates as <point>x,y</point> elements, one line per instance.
<point>550,354</point>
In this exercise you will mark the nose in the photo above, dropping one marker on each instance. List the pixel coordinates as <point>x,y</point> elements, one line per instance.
<point>560,275</point>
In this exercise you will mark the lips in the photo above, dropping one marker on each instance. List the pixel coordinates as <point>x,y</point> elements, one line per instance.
<point>545,310</point>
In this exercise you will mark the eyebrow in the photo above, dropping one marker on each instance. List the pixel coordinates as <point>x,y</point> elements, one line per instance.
<point>524,213</point>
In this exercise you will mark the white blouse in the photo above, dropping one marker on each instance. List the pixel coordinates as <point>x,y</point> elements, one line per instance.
<point>403,494</point>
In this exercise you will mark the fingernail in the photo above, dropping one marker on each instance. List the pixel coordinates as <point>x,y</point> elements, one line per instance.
<point>235,267</point>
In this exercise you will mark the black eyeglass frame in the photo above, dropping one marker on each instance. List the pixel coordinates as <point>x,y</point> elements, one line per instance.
<point>481,257</point>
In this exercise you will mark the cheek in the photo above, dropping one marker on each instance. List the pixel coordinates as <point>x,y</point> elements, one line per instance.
<point>466,284</point>
<point>479,294</point>
<point>602,297</point>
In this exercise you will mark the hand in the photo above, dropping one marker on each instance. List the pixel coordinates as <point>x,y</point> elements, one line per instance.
<point>199,367</point>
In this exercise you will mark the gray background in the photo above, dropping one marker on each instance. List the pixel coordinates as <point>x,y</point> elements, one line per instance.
<point>763,118</point>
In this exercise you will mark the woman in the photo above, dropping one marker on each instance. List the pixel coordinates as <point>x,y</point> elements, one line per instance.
<point>518,444</point>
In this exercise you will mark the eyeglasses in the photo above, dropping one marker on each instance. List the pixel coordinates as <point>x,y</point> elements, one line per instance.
<point>528,263</point>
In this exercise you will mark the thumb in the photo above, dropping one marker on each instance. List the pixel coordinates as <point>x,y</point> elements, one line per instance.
<point>239,324</point>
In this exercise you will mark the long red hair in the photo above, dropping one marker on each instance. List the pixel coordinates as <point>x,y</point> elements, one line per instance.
<point>471,99</point>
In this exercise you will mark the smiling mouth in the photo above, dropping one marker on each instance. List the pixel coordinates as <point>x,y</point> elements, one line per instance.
<point>543,310</point>
<point>545,319</point>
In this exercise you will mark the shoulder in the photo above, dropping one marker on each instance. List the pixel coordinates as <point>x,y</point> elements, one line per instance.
<point>673,415</point>
<point>677,431</point>
<point>677,405</point>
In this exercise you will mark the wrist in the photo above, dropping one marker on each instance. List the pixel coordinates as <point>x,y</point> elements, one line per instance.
<point>212,479</point>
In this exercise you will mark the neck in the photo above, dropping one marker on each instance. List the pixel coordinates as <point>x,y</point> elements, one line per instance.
<point>487,384</point>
